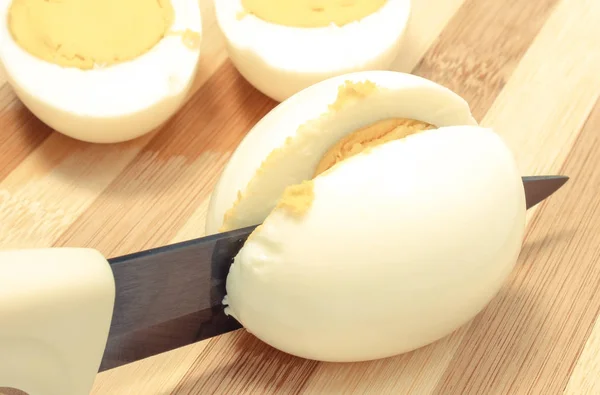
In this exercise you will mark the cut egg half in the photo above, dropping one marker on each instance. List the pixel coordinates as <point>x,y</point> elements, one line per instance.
<point>118,98</point>
<point>281,48</point>
<point>286,146</point>
<point>389,218</point>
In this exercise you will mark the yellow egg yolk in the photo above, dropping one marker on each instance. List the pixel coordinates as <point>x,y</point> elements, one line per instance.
<point>297,199</point>
<point>351,92</point>
<point>85,33</point>
<point>311,13</point>
<point>371,136</point>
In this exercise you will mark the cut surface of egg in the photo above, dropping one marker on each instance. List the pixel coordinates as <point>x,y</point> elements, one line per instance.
<point>282,47</point>
<point>389,218</point>
<point>101,70</point>
<point>286,146</point>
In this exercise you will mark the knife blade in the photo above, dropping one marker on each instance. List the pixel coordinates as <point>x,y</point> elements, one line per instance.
<point>172,296</point>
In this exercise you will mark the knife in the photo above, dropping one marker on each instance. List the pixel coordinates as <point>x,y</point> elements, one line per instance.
<point>171,296</point>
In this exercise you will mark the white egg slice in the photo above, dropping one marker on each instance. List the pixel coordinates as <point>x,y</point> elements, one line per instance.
<point>281,60</point>
<point>108,104</point>
<point>298,132</point>
<point>387,250</point>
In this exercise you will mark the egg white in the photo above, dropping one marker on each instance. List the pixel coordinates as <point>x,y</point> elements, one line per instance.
<point>281,60</point>
<point>106,104</point>
<point>403,96</point>
<point>400,247</point>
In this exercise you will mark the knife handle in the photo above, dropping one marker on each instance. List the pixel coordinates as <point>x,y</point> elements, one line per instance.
<point>56,305</point>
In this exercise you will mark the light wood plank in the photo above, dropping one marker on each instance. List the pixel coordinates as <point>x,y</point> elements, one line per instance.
<point>159,190</point>
<point>52,187</point>
<point>549,96</point>
<point>149,375</point>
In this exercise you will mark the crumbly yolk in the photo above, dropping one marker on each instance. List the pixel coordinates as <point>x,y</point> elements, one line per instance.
<point>84,33</point>
<point>351,92</point>
<point>312,13</point>
<point>371,136</point>
<point>297,199</point>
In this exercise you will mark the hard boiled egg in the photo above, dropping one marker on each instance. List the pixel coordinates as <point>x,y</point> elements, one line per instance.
<point>390,218</point>
<point>101,70</point>
<point>283,47</point>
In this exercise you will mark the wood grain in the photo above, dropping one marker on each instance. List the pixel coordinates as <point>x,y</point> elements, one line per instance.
<point>529,69</point>
<point>158,189</point>
<point>536,327</point>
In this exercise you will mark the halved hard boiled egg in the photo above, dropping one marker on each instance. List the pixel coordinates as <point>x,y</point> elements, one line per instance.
<point>389,218</point>
<point>101,70</point>
<point>282,47</point>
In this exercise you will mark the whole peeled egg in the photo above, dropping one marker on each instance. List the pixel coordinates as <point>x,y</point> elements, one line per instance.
<point>389,218</point>
<point>101,71</point>
<point>282,47</point>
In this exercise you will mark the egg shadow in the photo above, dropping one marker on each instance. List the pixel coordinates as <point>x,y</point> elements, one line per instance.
<point>260,100</point>
<point>534,243</point>
<point>266,370</point>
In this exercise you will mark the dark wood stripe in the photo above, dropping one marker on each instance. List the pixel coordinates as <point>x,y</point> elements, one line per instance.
<point>20,131</point>
<point>481,46</point>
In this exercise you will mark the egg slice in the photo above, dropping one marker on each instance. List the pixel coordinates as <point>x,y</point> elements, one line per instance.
<point>389,218</point>
<point>282,47</point>
<point>101,71</point>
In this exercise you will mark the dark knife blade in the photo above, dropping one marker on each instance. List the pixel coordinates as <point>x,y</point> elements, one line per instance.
<point>538,188</point>
<point>172,296</point>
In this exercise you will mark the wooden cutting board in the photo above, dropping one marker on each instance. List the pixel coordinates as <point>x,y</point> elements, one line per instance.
<point>529,68</point>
